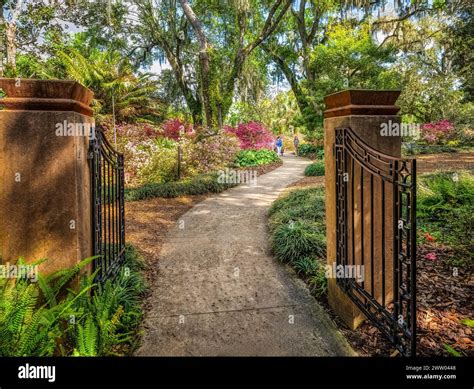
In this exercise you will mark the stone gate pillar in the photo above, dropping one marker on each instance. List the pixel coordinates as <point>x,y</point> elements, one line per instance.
<point>364,111</point>
<point>45,193</point>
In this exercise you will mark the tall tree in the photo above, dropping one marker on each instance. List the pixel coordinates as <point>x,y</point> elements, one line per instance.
<point>462,33</point>
<point>311,24</point>
<point>9,15</point>
<point>206,45</point>
<point>26,27</point>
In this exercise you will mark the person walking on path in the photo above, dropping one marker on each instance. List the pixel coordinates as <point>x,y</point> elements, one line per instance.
<point>296,143</point>
<point>279,145</point>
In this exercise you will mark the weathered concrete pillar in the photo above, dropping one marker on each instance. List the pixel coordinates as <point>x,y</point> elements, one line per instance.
<point>363,111</point>
<point>45,191</point>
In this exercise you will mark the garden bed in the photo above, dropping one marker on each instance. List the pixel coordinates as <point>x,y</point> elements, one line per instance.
<point>444,282</point>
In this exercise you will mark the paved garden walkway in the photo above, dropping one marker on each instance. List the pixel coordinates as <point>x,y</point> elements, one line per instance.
<point>219,292</point>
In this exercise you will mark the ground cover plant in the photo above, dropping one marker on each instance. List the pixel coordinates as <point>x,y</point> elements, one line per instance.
<point>445,211</point>
<point>298,235</point>
<point>311,151</point>
<point>315,169</point>
<point>246,158</point>
<point>67,313</point>
<point>202,184</point>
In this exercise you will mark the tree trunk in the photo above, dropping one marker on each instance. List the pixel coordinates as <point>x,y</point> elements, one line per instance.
<point>2,39</point>
<point>206,88</point>
<point>196,111</point>
<point>11,45</point>
<point>204,61</point>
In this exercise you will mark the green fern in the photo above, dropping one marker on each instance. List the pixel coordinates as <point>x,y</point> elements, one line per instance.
<point>35,318</point>
<point>87,339</point>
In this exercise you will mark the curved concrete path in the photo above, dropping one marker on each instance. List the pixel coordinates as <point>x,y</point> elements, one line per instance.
<point>219,292</point>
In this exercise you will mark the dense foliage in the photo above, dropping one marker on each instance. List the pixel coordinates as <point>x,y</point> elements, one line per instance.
<point>252,135</point>
<point>47,318</point>
<point>310,150</point>
<point>247,158</point>
<point>213,152</point>
<point>226,62</point>
<point>445,210</point>
<point>298,234</point>
<point>198,185</point>
<point>315,169</point>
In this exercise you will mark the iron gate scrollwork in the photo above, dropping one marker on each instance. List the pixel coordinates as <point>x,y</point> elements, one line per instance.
<point>108,207</point>
<point>376,230</point>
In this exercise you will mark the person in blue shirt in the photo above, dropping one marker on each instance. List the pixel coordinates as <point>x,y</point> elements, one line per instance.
<point>279,145</point>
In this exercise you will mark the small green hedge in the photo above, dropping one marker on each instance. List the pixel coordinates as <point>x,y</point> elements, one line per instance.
<point>310,151</point>
<point>315,169</point>
<point>417,149</point>
<point>246,158</point>
<point>298,235</point>
<point>203,184</point>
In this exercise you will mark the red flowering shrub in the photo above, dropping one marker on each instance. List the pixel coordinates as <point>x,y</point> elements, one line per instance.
<point>253,135</point>
<point>176,129</point>
<point>437,132</point>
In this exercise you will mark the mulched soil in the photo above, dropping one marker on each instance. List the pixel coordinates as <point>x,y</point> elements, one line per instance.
<point>455,161</point>
<point>307,182</point>
<point>444,299</point>
<point>148,222</point>
<point>263,169</point>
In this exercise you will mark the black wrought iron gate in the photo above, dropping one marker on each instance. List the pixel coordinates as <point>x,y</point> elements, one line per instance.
<point>108,213</point>
<point>376,235</point>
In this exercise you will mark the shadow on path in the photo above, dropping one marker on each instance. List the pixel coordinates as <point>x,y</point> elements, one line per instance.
<point>219,292</point>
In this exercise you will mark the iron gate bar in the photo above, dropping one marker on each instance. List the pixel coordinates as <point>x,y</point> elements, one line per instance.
<point>108,207</point>
<point>397,319</point>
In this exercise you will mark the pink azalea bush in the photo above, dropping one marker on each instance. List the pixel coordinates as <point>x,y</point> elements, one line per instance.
<point>437,132</point>
<point>252,135</point>
<point>431,257</point>
<point>212,152</point>
<point>151,152</point>
<point>136,141</point>
<point>161,161</point>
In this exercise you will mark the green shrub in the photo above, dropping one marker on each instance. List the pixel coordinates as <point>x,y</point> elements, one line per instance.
<point>202,184</point>
<point>162,163</point>
<point>212,152</point>
<point>247,158</point>
<point>315,169</point>
<point>298,235</point>
<point>298,239</point>
<point>310,151</point>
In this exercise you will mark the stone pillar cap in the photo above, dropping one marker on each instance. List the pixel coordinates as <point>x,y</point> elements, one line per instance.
<point>45,95</point>
<point>361,102</point>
